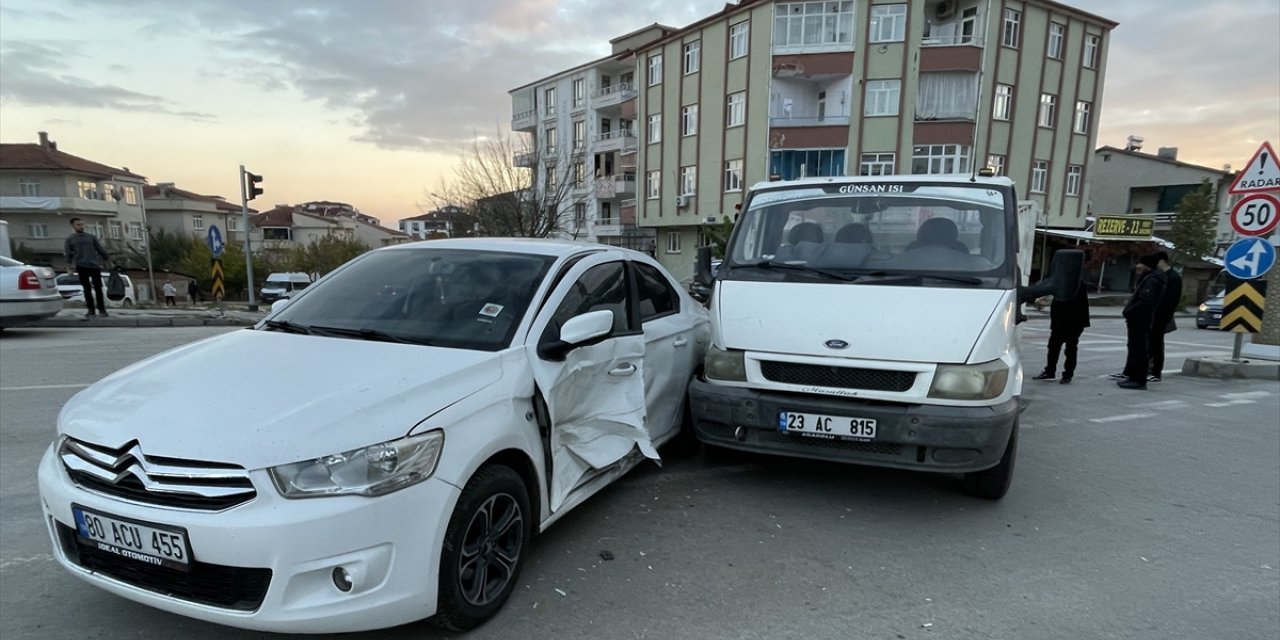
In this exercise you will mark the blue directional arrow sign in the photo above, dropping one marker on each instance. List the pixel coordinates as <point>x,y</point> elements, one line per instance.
<point>1248,258</point>
<point>214,239</point>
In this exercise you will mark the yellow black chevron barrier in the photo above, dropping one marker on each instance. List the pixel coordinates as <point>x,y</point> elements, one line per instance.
<point>1243,305</point>
<point>218,290</point>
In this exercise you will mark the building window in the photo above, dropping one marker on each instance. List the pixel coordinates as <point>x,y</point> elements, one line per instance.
<point>551,141</point>
<point>131,195</point>
<point>738,40</point>
<point>233,223</point>
<point>606,213</point>
<point>29,187</point>
<point>580,214</point>
<point>876,164</point>
<point>115,229</point>
<point>1082,116</point>
<point>800,24</point>
<point>579,174</point>
<point>653,185</point>
<point>733,175</point>
<point>1091,51</point>
<point>95,228</point>
<point>996,163</point>
<point>939,159</point>
<point>580,93</point>
<point>655,69</point>
<point>689,120</point>
<point>550,101</point>
<point>737,110</point>
<point>1003,103</point>
<point>277,233</point>
<point>673,242</point>
<point>551,181</point>
<point>947,95</point>
<point>1011,35</point>
<point>806,163</point>
<point>692,57</point>
<point>1048,110</point>
<point>197,221</point>
<point>38,230</point>
<point>655,128</point>
<point>688,180</point>
<point>882,97</point>
<point>888,23</point>
<point>1039,176</point>
<point>1056,33</point>
<point>88,190</point>
<point>135,230</point>
<point>1074,171</point>
<point>579,135</point>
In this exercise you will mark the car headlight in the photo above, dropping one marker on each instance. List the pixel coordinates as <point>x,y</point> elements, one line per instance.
<point>369,471</point>
<point>725,364</point>
<point>1204,307</point>
<point>970,381</point>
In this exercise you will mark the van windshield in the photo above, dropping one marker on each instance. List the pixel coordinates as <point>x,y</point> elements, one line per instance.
<point>887,233</point>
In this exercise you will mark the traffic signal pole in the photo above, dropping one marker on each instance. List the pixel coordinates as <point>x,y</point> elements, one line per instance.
<point>244,213</point>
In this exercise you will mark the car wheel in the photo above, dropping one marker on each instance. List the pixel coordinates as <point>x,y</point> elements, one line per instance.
<point>126,303</point>
<point>484,548</point>
<point>993,483</point>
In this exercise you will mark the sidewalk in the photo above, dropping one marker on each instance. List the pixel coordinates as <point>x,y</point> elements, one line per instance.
<point>233,316</point>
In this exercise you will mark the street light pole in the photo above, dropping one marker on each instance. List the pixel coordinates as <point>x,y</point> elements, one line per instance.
<point>248,255</point>
<point>146,239</point>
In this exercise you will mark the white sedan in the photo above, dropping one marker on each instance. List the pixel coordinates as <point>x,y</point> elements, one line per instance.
<point>384,445</point>
<point>27,293</point>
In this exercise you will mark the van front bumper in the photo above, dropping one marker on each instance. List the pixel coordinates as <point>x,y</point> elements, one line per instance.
<point>908,436</point>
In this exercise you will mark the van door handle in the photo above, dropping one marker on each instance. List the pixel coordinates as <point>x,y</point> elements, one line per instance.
<point>680,342</point>
<point>623,370</point>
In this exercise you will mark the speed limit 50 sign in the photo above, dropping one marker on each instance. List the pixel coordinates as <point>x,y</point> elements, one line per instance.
<point>1256,215</point>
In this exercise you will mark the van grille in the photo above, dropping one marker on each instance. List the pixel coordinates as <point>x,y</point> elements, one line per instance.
<point>837,377</point>
<point>125,472</point>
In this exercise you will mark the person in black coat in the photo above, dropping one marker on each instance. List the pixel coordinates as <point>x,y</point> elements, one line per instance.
<point>1139,315</point>
<point>1067,320</point>
<point>1163,322</point>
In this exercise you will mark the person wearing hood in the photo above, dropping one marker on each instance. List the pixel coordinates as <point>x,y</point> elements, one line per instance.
<point>1163,322</point>
<point>1067,320</point>
<point>1139,316</point>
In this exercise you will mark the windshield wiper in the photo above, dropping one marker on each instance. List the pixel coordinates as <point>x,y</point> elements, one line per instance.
<point>373,335</point>
<point>916,276</point>
<point>287,327</point>
<point>773,264</point>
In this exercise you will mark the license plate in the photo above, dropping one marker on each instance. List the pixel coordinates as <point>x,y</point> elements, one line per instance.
<point>824,426</point>
<point>141,541</point>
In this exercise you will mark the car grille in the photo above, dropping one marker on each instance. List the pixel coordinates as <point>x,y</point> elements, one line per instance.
<point>216,585</point>
<point>837,377</point>
<point>127,473</point>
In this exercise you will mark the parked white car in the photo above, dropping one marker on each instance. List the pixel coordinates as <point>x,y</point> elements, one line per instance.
<point>69,287</point>
<point>394,436</point>
<point>27,293</point>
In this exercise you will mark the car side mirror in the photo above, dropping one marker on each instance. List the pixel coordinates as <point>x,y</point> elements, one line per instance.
<point>279,304</point>
<point>579,331</point>
<point>702,268</point>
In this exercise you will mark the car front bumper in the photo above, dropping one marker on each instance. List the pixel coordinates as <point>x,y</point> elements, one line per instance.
<point>389,545</point>
<point>1210,319</point>
<point>916,436</point>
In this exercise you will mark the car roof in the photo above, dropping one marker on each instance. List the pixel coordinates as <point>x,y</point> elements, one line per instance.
<point>558,248</point>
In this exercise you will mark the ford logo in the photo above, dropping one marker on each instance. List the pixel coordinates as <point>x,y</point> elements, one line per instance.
<point>836,344</point>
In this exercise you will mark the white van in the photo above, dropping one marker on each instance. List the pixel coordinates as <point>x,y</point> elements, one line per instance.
<point>280,285</point>
<point>71,291</point>
<point>873,321</point>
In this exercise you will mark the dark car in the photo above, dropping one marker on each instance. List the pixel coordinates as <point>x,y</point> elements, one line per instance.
<point>1210,313</point>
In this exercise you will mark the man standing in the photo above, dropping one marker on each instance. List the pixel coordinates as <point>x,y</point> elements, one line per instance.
<point>86,256</point>
<point>1139,314</point>
<point>1163,322</point>
<point>1067,320</point>
<point>193,291</point>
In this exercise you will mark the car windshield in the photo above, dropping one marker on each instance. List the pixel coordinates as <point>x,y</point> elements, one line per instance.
<point>65,280</point>
<point>465,299</point>
<point>866,233</point>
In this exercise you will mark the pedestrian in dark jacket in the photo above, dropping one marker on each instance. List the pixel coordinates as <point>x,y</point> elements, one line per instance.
<point>1067,320</point>
<point>1163,322</point>
<point>1139,315</point>
<point>86,257</point>
<point>193,291</point>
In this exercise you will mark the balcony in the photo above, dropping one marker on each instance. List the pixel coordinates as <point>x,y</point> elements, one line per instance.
<point>610,187</point>
<point>612,95</point>
<point>627,159</point>
<point>622,140</point>
<point>21,204</point>
<point>525,120</point>
<point>808,121</point>
<point>524,159</point>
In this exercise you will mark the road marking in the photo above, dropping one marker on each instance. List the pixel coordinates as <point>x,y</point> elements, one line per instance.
<point>45,386</point>
<point>1164,404</point>
<point>1247,394</point>
<point>1230,403</point>
<point>14,562</point>
<point>1105,349</point>
<point>1127,416</point>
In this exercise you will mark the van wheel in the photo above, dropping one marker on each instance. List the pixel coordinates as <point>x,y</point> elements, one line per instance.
<point>484,548</point>
<point>126,303</point>
<point>993,483</point>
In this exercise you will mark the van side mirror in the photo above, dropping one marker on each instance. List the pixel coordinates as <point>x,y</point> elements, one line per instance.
<point>589,328</point>
<point>702,268</point>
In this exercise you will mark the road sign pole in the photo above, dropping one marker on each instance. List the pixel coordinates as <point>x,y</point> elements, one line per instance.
<point>248,255</point>
<point>1237,347</point>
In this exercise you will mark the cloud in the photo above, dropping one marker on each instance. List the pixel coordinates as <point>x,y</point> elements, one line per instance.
<point>30,74</point>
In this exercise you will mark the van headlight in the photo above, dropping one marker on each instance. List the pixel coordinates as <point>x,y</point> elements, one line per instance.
<point>970,381</point>
<point>725,364</point>
<point>369,471</point>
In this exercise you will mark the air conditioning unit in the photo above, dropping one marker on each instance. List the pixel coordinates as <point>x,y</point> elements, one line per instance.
<point>709,220</point>
<point>92,194</point>
<point>944,10</point>
<point>117,193</point>
<point>682,202</point>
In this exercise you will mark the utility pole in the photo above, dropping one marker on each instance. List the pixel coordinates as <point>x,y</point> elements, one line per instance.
<point>248,190</point>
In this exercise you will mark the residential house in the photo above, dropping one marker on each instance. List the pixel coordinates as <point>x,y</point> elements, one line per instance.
<point>336,210</point>
<point>181,212</point>
<point>285,227</point>
<point>42,188</point>
<point>448,221</point>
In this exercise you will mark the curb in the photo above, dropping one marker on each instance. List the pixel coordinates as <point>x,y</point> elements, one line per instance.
<point>1225,368</point>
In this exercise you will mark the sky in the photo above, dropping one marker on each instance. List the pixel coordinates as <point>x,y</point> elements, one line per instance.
<point>373,102</point>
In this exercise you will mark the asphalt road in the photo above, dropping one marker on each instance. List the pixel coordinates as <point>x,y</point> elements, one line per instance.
<point>1133,515</point>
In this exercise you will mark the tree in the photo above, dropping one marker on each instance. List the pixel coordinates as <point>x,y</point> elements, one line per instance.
<point>515,188</point>
<point>1194,230</point>
<point>718,236</point>
<point>323,255</point>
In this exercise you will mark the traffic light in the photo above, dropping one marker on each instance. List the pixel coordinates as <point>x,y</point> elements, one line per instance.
<point>251,185</point>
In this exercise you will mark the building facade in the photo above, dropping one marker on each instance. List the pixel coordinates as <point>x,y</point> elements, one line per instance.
<point>180,212</point>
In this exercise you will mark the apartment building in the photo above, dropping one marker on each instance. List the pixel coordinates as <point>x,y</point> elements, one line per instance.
<point>42,188</point>
<point>180,212</point>
<point>580,125</point>
<point>449,221</point>
<point>768,90</point>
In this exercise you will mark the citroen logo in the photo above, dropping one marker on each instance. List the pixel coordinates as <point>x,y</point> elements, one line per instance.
<point>836,344</point>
